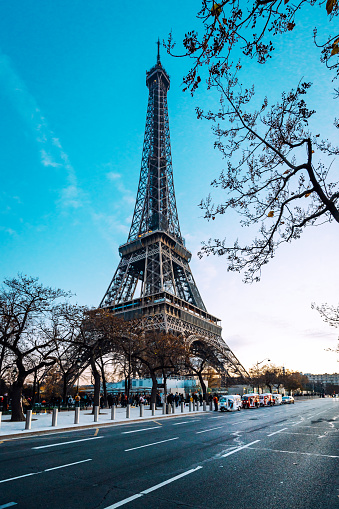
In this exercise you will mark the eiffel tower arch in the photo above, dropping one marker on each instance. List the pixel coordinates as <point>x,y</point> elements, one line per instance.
<point>153,279</point>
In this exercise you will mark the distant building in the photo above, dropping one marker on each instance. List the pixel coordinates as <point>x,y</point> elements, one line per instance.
<point>324,379</point>
<point>145,385</point>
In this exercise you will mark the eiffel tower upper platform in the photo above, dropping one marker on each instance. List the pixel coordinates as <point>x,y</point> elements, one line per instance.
<point>153,278</point>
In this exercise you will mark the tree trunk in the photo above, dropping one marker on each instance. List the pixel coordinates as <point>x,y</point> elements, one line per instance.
<point>154,388</point>
<point>96,376</point>
<point>203,386</point>
<point>17,410</point>
<point>104,387</point>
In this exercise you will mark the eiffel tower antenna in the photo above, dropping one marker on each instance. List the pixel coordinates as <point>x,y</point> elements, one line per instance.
<point>158,58</point>
<point>153,278</point>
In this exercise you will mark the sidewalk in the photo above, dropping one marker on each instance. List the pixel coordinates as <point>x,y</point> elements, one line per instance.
<point>42,423</point>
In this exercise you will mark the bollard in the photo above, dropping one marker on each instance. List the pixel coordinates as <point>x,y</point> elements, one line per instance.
<point>28,419</point>
<point>153,408</point>
<point>204,406</point>
<point>55,417</point>
<point>96,413</point>
<point>173,408</point>
<point>190,406</point>
<point>211,406</point>
<point>76,415</point>
<point>182,407</point>
<point>0,417</point>
<point>128,411</point>
<point>163,408</point>
<point>141,410</point>
<point>113,408</point>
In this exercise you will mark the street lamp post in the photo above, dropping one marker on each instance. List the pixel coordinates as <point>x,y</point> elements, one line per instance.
<point>258,364</point>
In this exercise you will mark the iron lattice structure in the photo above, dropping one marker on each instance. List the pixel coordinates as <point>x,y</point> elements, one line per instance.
<point>153,278</point>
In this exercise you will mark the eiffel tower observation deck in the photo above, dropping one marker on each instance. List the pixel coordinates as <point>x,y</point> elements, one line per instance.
<point>153,278</point>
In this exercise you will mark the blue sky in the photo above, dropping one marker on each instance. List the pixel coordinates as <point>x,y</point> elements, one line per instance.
<point>73,101</point>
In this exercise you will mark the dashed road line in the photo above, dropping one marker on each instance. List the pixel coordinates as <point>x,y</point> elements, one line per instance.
<point>142,429</point>
<point>275,432</point>
<point>149,445</point>
<point>206,430</point>
<point>239,448</point>
<point>46,470</point>
<point>65,443</point>
<point>153,488</point>
<point>295,452</point>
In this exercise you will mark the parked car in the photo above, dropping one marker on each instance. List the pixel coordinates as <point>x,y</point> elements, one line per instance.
<point>288,399</point>
<point>230,403</point>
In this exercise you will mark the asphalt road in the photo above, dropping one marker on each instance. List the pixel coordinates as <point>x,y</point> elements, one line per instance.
<point>282,457</point>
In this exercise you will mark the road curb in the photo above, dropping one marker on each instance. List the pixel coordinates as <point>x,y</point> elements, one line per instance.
<point>51,430</point>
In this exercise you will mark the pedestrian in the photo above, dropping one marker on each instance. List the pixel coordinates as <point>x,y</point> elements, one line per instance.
<point>215,401</point>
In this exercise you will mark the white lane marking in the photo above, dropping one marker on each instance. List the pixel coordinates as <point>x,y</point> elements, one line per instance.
<point>68,465</point>
<point>153,488</point>
<point>149,445</point>
<point>314,415</point>
<point>125,501</point>
<point>65,443</point>
<point>185,422</point>
<point>18,477</point>
<point>142,429</point>
<point>160,485</point>
<point>10,504</point>
<point>206,430</point>
<point>42,471</point>
<point>239,448</point>
<point>279,431</point>
<point>296,452</point>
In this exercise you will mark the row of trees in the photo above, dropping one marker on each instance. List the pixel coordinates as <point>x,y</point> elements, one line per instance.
<point>278,377</point>
<point>45,338</point>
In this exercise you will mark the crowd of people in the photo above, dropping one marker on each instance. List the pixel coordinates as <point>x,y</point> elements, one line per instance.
<point>86,400</point>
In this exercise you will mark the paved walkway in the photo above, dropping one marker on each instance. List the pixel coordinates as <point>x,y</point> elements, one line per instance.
<point>65,420</point>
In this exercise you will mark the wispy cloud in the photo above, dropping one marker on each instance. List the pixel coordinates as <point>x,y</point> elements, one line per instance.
<point>51,151</point>
<point>116,178</point>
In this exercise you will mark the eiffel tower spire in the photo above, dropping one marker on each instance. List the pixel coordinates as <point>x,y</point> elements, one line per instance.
<point>153,277</point>
<point>155,207</point>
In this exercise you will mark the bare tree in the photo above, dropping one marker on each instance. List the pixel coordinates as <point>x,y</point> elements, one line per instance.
<point>330,315</point>
<point>230,28</point>
<point>26,330</point>
<point>274,176</point>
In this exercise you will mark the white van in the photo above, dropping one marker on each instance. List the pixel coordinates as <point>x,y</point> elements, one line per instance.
<point>230,403</point>
<point>277,399</point>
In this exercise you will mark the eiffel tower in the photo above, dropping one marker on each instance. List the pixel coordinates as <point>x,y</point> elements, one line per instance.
<point>153,278</point>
